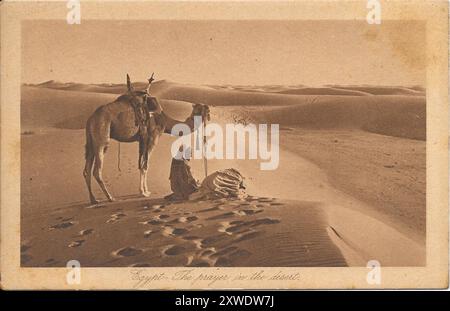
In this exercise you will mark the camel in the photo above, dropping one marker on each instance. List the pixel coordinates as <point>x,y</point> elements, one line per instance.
<point>117,120</point>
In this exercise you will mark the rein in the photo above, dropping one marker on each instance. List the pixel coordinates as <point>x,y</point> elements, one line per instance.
<point>205,160</point>
<point>118,158</point>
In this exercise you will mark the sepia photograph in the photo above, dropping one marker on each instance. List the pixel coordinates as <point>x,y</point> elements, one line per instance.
<point>225,142</point>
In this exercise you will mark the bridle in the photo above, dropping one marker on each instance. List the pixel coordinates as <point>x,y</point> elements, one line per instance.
<point>205,160</point>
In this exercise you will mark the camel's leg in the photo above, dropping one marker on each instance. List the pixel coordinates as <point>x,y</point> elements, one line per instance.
<point>98,168</point>
<point>87,173</point>
<point>143,187</point>
<point>89,155</point>
<point>145,182</point>
<point>144,169</point>
<point>142,164</point>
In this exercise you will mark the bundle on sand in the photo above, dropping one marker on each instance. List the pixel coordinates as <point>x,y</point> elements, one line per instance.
<point>221,184</point>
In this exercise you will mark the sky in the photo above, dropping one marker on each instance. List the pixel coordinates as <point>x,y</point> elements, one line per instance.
<point>226,52</point>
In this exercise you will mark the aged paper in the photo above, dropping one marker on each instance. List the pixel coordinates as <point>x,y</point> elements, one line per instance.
<point>203,145</point>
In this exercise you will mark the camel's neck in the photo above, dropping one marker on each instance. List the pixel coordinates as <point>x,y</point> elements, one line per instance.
<point>158,106</point>
<point>170,123</point>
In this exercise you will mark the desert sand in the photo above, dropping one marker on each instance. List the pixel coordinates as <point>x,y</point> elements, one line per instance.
<point>350,186</point>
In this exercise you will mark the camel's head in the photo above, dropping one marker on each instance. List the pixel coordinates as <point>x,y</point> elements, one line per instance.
<point>201,110</point>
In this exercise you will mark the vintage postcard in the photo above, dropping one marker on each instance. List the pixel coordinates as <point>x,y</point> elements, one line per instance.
<point>224,144</point>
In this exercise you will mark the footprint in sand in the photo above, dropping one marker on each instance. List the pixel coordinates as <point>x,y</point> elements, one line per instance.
<point>161,217</point>
<point>276,204</point>
<point>233,229</point>
<point>247,236</point>
<point>156,208</point>
<point>148,233</point>
<point>140,264</point>
<point>222,262</point>
<point>208,252</point>
<point>115,217</point>
<point>153,207</point>
<point>151,222</point>
<point>244,204</point>
<point>190,237</point>
<point>173,250</point>
<point>86,231</point>
<point>244,226</point>
<point>246,212</point>
<point>197,243</point>
<point>169,231</point>
<point>186,219</point>
<point>221,216</point>
<point>224,251</point>
<point>253,211</point>
<point>224,226</point>
<point>239,213</point>
<point>76,243</point>
<point>127,252</point>
<point>263,221</point>
<point>191,218</point>
<point>212,240</point>
<point>214,208</point>
<point>199,263</point>
<point>223,200</point>
<point>62,225</point>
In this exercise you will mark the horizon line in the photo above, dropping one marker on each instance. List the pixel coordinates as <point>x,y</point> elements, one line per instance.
<point>225,84</point>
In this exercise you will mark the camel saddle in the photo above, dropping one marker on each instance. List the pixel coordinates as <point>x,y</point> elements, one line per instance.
<point>143,104</point>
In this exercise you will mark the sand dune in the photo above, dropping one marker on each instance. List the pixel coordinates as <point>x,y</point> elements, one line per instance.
<point>323,91</point>
<point>395,111</point>
<point>393,115</point>
<point>386,90</point>
<point>398,116</point>
<point>356,90</point>
<point>310,223</point>
<point>70,109</point>
<point>47,108</point>
<point>319,228</point>
<point>388,173</point>
<point>216,233</point>
<point>111,88</point>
